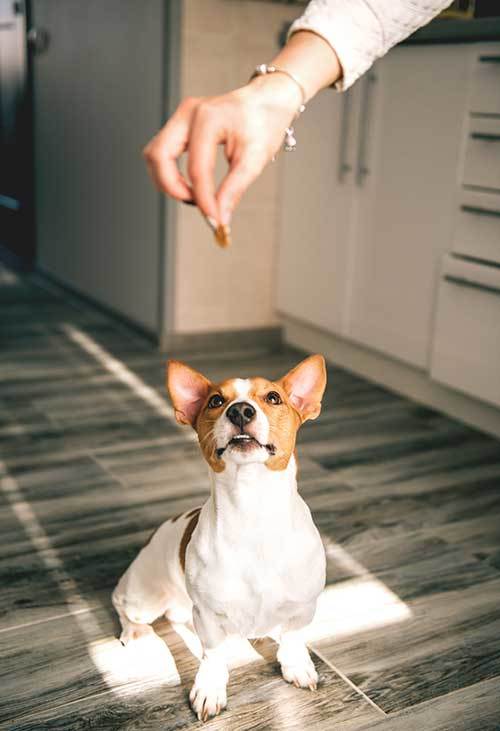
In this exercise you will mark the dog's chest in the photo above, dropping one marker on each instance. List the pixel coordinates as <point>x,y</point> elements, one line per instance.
<point>255,578</point>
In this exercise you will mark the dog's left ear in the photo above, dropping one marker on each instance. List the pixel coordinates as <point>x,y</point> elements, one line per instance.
<point>188,390</point>
<point>305,385</point>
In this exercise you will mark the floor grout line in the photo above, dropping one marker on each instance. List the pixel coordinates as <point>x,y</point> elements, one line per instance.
<point>63,615</point>
<point>58,706</point>
<point>347,680</point>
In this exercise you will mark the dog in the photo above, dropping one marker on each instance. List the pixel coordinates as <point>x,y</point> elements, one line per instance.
<point>250,561</point>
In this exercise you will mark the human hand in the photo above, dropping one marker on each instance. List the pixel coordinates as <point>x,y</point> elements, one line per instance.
<point>250,122</point>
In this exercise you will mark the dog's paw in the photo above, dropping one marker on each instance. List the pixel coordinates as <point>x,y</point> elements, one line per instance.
<point>208,699</point>
<point>135,632</point>
<point>301,675</point>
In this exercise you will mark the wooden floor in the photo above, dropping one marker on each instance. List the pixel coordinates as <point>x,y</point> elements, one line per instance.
<point>407,634</point>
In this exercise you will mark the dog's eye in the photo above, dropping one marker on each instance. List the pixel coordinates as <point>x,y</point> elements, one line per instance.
<point>215,401</point>
<point>273,397</point>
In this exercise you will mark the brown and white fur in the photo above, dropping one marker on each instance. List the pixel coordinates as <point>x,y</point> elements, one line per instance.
<point>250,561</point>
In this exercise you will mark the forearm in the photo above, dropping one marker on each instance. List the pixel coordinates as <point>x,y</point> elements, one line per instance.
<point>361,31</point>
<point>311,59</point>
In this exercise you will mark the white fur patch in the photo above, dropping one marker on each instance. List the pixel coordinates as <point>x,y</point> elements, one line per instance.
<point>241,387</point>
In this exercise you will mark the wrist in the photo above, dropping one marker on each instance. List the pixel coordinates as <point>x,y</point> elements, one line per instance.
<point>277,89</point>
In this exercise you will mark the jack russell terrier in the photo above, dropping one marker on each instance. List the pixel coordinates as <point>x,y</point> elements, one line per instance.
<point>250,561</point>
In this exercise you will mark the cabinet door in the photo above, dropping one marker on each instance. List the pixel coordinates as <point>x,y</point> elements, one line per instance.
<point>412,116</point>
<point>466,352</point>
<point>98,99</point>
<point>316,213</point>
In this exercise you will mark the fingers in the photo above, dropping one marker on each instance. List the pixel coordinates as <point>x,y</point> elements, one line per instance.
<point>162,151</point>
<point>198,127</point>
<point>241,175</point>
<point>206,133</point>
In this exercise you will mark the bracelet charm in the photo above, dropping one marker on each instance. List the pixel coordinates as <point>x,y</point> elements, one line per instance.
<point>290,142</point>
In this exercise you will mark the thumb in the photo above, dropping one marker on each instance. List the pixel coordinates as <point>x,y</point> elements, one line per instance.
<point>241,175</point>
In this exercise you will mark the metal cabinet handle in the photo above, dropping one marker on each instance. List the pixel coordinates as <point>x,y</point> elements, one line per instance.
<point>489,59</point>
<point>479,211</point>
<point>471,283</point>
<point>362,170</point>
<point>488,136</point>
<point>470,273</point>
<point>344,166</point>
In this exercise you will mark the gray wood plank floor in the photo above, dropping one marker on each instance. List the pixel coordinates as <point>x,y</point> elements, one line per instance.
<point>407,633</point>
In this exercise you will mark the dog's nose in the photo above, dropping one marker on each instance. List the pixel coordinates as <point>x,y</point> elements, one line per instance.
<point>240,414</point>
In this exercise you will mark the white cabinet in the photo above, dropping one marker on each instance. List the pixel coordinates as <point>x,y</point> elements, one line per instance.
<point>361,257</point>
<point>316,214</point>
<point>405,201</point>
<point>466,343</point>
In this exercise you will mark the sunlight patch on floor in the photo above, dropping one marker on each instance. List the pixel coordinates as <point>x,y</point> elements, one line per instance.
<point>354,606</point>
<point>143,663</point>
<point>123,374</point>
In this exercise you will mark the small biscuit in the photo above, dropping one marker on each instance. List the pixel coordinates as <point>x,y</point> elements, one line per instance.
<point>223,236</point>
<point>222,233</point>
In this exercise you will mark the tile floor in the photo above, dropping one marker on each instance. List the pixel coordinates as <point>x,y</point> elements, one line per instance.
<point>407,634</point>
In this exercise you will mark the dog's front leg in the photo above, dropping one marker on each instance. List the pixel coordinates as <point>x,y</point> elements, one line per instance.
<point>208,695</point>
<point>296,664</point>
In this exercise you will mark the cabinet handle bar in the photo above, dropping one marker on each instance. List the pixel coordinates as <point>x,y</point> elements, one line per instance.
<point>488,136</point>
<point>489,59</point>
<point>362,169</point>
<point>344,166</point>
<point>480,211</point>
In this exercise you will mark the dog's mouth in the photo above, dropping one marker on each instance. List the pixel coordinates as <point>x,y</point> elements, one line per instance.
<point>245,443</point>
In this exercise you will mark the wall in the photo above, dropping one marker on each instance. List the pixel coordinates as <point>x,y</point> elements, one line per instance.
<point>221,42</point>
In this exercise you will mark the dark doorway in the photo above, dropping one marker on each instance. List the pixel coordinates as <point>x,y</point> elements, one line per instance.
<point>16,177</point>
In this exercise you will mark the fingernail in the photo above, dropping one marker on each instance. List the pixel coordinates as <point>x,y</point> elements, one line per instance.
<point>225,217</point>
<point>189,202</point>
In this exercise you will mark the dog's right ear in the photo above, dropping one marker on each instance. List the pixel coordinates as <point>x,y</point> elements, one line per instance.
<point>305,385</point>
<point>188,390</point>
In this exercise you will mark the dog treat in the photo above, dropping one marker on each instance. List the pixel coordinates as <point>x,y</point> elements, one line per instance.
<point>222,234</point>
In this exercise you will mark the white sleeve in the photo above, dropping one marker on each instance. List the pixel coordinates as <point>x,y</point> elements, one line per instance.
<point>361,31</point>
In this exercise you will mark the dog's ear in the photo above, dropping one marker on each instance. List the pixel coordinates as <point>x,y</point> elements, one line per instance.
<point>305,385</point>
<point>188,390</point>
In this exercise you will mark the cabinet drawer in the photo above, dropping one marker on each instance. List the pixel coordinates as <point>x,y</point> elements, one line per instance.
<point>477,232</point>
<point>485,91</point>
<point>482,156</point>
<point>466,345</point>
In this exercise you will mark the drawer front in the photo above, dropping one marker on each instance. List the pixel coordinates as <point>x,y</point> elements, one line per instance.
<point>485,90</point>
<point>482,155</point>
<point>477,232</point>
<point>466,345</point>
